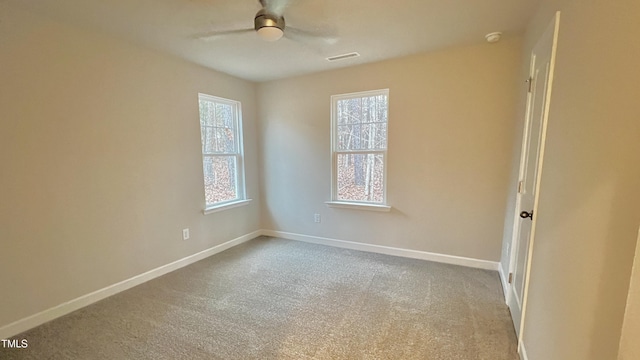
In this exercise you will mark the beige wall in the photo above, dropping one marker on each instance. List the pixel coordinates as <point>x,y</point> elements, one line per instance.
<point>629,344</point>
<point>588,215</point>
<point>450,125</point>
<point>100,164</point>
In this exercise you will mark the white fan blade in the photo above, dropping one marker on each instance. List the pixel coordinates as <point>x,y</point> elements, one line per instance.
<point>304,35</point>
<point>212,35</point>
<point>276,7</point>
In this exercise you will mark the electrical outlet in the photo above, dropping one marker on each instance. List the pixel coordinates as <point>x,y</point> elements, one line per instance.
<point>316,218</point>
<point>185,234</point>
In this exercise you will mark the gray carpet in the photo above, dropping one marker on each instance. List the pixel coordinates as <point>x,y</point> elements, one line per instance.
<point>279,299</point>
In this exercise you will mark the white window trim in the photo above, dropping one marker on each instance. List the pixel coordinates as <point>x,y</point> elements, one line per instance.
<point>226,205</point>
<point>382,206</point>
<point>358,206</point>
<point>240,178</point>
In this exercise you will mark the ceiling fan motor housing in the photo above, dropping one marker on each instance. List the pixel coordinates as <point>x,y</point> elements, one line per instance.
<point>265,19</point>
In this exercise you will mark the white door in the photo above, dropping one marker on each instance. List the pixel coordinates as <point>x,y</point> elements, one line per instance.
<point>540,81</point>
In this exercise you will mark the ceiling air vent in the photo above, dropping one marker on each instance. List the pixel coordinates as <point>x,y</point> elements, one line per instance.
<point>343,56</point>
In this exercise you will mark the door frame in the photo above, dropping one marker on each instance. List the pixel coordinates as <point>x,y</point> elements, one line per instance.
<point>553,26</point>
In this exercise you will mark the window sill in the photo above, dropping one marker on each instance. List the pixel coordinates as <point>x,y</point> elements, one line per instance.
<point>358,206</point>
<point>225,206</point>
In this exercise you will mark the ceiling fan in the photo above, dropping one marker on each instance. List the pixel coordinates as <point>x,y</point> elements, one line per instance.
<point>270,25</point>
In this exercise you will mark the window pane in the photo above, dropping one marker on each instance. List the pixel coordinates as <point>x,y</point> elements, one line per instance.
<point>348,139</point>
<point>380,139</point>
<point>362,123</point>
<point>207,113</point>
<point>225,141</point>
<point>220,179</point>
<point>367,136</point>
<point>208,140</point>
<point>360,177</point>
<point>348,111</point>
<point>224,115</point>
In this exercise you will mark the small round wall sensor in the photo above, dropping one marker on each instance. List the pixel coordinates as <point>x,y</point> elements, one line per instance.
<point>493,37</point>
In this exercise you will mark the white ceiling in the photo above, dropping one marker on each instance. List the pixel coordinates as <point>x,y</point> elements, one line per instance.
<point>376,29</point>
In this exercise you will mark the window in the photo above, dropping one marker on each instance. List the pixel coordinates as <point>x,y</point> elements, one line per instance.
<point>359,147</point>
<point>221,134</point>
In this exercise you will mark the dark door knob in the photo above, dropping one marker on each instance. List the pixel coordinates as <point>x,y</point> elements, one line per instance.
<point>525,215</point>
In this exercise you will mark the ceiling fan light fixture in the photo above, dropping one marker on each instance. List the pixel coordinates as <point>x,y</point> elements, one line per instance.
<point>270,33</point>
<point>269,27</point>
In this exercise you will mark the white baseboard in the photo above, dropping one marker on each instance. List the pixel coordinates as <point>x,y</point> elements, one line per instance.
<point>414,254</point>
<point>42,317</point>
<point>522,352</point>
<point>504,282</point>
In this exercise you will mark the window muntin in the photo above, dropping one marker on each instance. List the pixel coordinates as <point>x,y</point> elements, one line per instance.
<point>222,155</point>
<point>359,146</point>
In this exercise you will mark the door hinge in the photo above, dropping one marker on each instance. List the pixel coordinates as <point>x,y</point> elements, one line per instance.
<point>529,82</point>
<point>520,187</point>
<point>510,277</point>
